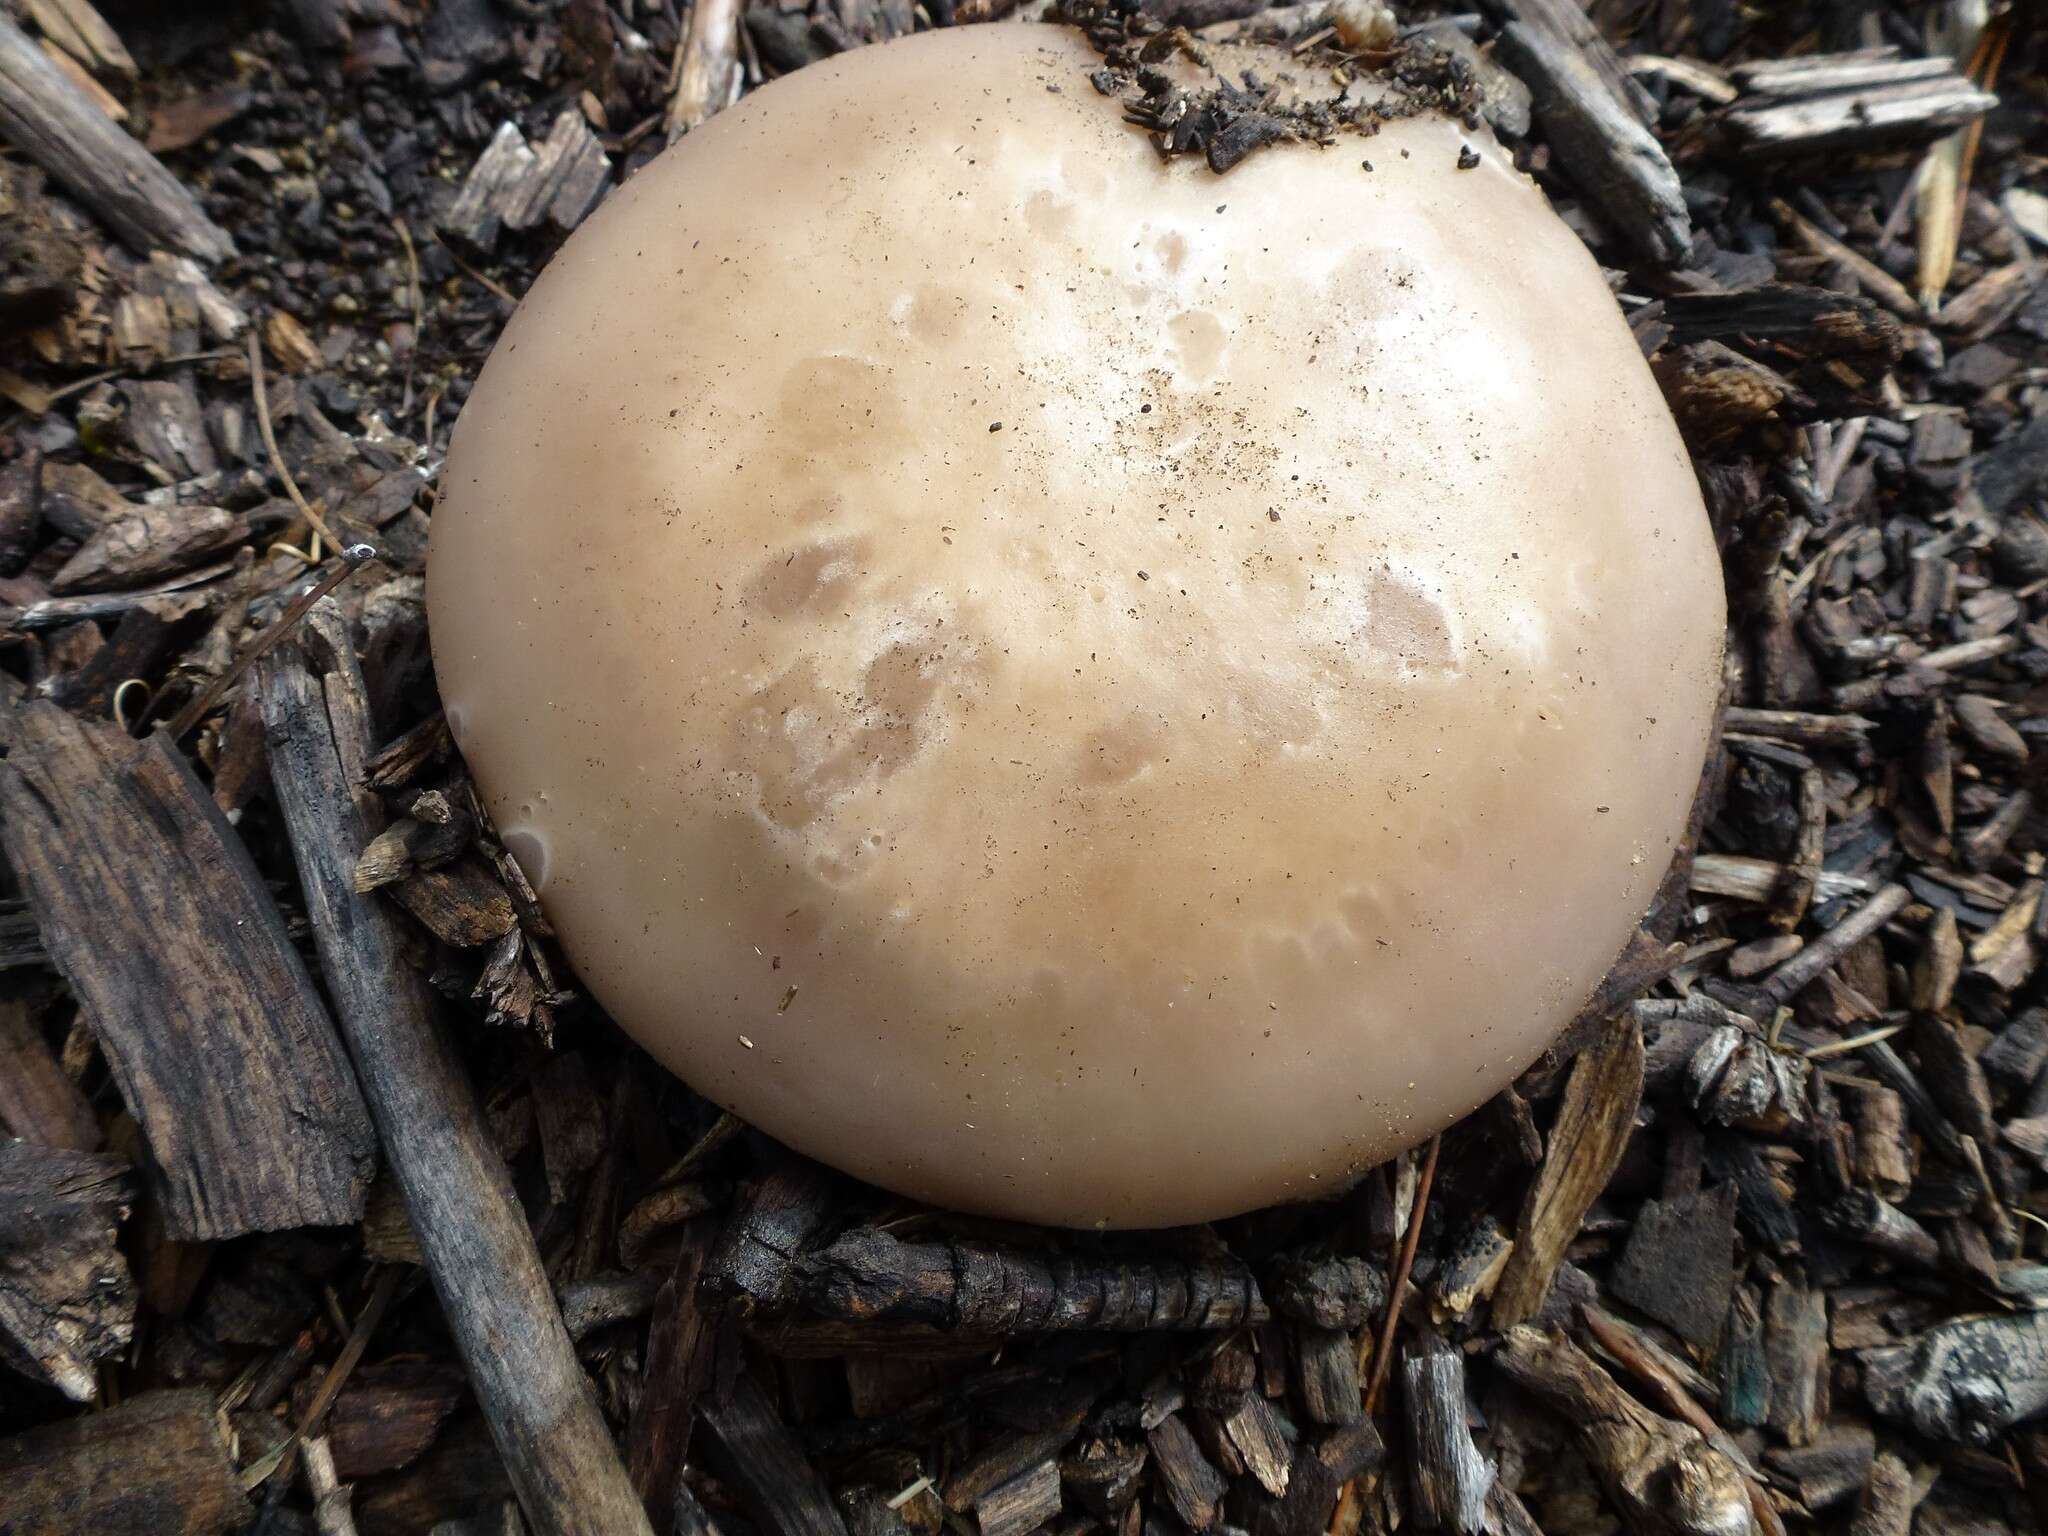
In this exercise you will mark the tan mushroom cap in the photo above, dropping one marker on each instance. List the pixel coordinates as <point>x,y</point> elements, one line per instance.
<point>1230,771</point>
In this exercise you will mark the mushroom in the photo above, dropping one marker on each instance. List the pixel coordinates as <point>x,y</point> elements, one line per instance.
<point>1065,685</point>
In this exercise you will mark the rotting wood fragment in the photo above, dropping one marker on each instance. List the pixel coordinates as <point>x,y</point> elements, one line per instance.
<point>1263,1442</point>
<point>148,544</point>
<point>1190,1483</point>
<point>1567,23</point>
<point>1321,1469</point>
<point>1623,169</point>
<point>601,1300</point>
<point>1679,1263</point>
<point>1796,1343</point>
<point>868,1276</point>
<point>1908,107</point>
<point>1885,1506</point>
<point>158,1465</point>
<point>389,1413</point>
<point>1023,1503</point>
<point>1015,1454</point>
<point>155,913</point>
<point>1326,1375</point>
<point>1102,1476</point>
<point>1663,1476</point>
<point>1969,1380</point>
<point>1327,1290</point>
<point>66,1299</point>
<point>755,1263</point>
<point>1451,1479</point>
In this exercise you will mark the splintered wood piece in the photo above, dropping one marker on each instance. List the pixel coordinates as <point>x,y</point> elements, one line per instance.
<point>1621,167</point>
<point>1789,909</point>
<point>778,1487</point>
<point>332,1515</point>
<point>1014,1455</point>
<point>1885,1507</point>
<point>1861,1216</point>
<point>1848,733</point>
<point>46,115</point>
<point>1791,978</point>
<point>1326,1375</point>
<point>1593,1125</point>
<point>1884,1157</point>
<point>1814,74</point>
<point>476,215</point>
<point>1261,1440</point>
<point>611,1297</point>
<point>38,1102</point>
<point>868,1276</point>
<point>472,1235</point>
<point>1796,1342</point>
<point>82,32</point>
<point>21,513</point>
<point>1858,117</point>
<point>459,1474</point>
<point>1468,1273</point>
<point>1187,1479</point>
<point>568,176</point>
<point>402,761</point>
<point>570,1120</point>
<point>1451,1478</point>
<point>1663,1476</point>
<point>1023,1503</point>
<point>1954,1078</point>
<point>66,1299</point>
<point>165,421</point>
<point>682,1344</point>
<point>1718,394</point>
<point>1680,1389</point>
<point>1940,964</point>
<point>147,637</point>
<point>156,915</point>
<point>708,69</point>
<point>1321,1469</point>
<point>463,904</point>
<point>1567,22</point>
<point>158,1465</point>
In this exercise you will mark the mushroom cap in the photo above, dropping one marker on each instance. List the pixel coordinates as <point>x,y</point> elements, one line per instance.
<point>1222,775</point>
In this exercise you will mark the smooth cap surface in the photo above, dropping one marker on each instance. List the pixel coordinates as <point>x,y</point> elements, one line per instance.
<point>1063,684</point>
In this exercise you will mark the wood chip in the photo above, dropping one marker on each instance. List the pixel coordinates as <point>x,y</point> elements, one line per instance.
<point>1592,1128</point>
<point>158,1465</point>
<point>780,1490</point>
<point>1452,1479</point>
<point>66,1299</point>
<point>1622,168</point>
<point>155,913</point>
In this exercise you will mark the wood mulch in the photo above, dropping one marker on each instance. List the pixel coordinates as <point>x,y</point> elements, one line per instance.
<point>330,1206</point>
